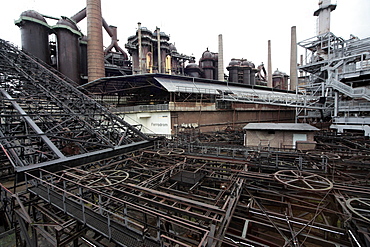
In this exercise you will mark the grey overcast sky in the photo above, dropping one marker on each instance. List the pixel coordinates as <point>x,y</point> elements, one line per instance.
<point>194,26</point>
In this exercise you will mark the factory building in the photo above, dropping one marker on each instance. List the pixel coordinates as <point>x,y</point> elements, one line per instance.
<point>165,105</point>
<point>280,135</point>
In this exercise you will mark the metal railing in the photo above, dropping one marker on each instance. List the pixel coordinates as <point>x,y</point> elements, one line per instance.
<point>142,108</point>
<point>360,92</point>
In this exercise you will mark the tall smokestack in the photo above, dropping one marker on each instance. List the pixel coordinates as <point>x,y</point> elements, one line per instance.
<point>220,58</point>
<point>293,59</point>
<point>159,50</point>
<point>269,69</point>
<point>140,48</point>
<point>323,13</point>
<point>95,54</point>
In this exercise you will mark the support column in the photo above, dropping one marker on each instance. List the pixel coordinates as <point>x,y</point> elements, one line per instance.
<point>159,50</point>
<point>140,48</point>
<point>95,54</point>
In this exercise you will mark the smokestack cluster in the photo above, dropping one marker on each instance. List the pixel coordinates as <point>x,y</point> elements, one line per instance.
<point>95,54</point>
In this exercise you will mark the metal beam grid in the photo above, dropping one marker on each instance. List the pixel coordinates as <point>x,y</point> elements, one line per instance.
<point>154,197</point>
<point>44,118</point>
<point>275,215</point>
<point>168,197</point>
<point>304,206</point>
<point>322,200</point>
<point>342,161</point>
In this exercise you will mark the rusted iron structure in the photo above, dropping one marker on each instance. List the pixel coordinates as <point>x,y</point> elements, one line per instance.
<point>47,122</point>
<point>170,196</point>
<point>85,176</point>
<point>70,52</point>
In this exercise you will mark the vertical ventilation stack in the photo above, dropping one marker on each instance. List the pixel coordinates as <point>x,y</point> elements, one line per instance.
<point>159,50</point>
<point>269,64</point>
<point>323,13</point>
<point>140,47</point>
<point>293,59</point>
<point>220,59</point>
<point>95,54</point>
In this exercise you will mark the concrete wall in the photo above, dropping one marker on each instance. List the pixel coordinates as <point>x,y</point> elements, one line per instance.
<point>152,122</point>
<point>215,120</point>
<point>275,139</point>
<point>205,117</point>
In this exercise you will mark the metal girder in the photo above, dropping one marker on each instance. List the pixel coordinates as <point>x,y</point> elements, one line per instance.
<point>46,120</point>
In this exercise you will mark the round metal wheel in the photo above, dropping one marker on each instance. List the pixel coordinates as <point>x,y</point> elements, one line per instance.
<point>303,180</point>
<point>100,179</point>
<point>170,151</point>
<point>360,207</point>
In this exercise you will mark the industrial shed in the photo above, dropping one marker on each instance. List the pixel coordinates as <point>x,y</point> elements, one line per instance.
<point>280,135</point>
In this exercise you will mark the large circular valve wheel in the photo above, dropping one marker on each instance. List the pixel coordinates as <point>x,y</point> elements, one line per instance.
<point>303,180</point>
<point>360,207</point>
<point>170,151</point>
<point>101,179</point>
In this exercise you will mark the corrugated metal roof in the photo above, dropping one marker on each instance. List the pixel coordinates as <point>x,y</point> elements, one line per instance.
<point>280,126</point>
<point>186,86</point>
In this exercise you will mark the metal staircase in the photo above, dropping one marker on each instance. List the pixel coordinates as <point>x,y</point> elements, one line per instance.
<point>359,92</point>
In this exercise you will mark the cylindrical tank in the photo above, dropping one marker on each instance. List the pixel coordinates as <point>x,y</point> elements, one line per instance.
<point>247,75</point>
<point>175,63</point>
<point>253,77</point>
<point>193,70</point>
<point>165,49</point>
<point>233,69</point>
<point>252,74</point>
<point>207,63</point>
<point>68,48</point>
<point>247,66</point>
<point>34,34</point>
<point>280,80</point>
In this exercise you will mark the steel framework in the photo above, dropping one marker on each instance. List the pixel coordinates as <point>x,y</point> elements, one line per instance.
<point>89,178</point>
<point>46,121</point>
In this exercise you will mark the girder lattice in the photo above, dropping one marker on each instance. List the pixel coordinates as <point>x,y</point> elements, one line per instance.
<point>44,118</point>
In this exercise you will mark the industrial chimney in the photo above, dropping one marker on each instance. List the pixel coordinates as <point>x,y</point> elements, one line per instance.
<point>323,13</point>
<point>159,50</point>
<point>293,59</point>
<point>95,54</point>
<point>220,59</point>
<point>269,65</point>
